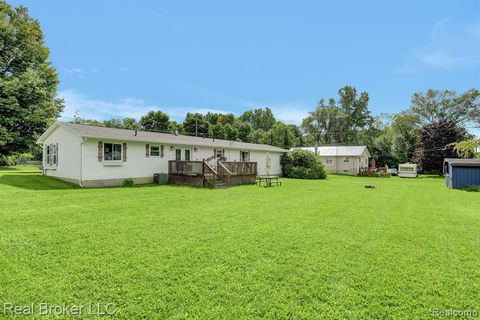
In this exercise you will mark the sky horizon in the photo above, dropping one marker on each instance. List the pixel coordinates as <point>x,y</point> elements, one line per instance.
<point>123,59</point>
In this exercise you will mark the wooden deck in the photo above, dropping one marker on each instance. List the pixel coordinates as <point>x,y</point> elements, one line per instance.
<point>204,174</point>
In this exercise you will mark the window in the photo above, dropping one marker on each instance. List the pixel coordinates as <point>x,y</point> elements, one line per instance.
<point>328,160</point>
<point>346,159</point>
<point>154,151</point>
<point>218,153</point>
<point>48,154</point>
<point>178,154</point>
<point>54,162</point>
<point>112,152</point>
<point>244,156</point>
<point>187,154</point>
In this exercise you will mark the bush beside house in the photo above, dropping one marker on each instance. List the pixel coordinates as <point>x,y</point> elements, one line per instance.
<point>302,164</point>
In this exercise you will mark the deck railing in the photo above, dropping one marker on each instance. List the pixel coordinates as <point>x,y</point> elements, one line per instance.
<point>185,168</point>
<point>241,168</point>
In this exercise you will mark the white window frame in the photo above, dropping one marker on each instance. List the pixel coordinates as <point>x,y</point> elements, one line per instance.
<point>217,151</point>
<point>346,159</point>
<point>329,160</point>
<point>189,154</point>
<point>159,151</point>
<point>247,158</point>
<point>113,148</point>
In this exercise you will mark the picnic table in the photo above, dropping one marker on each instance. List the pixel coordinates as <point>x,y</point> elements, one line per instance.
<point>268,181</point>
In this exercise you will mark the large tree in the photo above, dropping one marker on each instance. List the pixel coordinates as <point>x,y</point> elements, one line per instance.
<point>259,118</point>
<point>196,124</point>
<point>324,125</point>
<point>433,142</point>
<point>356,113</point>
<point>28,81</point>
<point>405,127</point>
<point>155,120</point>
<point>435,106</point>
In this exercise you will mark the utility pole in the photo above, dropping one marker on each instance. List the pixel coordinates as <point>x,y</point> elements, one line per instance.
<point>196,127</point>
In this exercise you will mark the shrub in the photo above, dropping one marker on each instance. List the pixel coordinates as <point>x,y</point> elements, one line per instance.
<point>128,182</point>
<point>8,161</point>
<point>302,164</point>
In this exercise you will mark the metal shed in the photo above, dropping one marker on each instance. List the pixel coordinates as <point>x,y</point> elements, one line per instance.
<point>461,173</point>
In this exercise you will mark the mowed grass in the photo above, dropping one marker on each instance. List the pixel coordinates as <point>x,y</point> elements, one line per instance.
<point>326,249</point>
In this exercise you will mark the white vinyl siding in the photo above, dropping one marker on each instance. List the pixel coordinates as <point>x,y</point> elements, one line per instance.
<point>66,156</point>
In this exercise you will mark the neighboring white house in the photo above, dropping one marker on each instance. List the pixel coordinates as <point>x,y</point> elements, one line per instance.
<point>342,159</point>
<point>100,156</point>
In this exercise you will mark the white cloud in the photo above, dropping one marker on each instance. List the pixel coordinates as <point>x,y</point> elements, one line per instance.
<point>451,46</point>
<point>126,107</point>
<point>290,112</point>
<point>132,107</point>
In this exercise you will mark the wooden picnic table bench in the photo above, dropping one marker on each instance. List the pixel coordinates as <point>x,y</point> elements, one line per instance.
<point>269,181</point>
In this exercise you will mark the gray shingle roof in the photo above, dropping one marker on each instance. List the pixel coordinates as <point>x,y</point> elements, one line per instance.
<point>463,162</point>
<point>145,136</point>
<point>345,151</point>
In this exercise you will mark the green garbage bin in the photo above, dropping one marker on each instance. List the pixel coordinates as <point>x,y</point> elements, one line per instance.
<point>160,178</point>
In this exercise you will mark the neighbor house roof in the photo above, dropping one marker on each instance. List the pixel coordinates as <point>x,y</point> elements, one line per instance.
<point>463,162</point>
<point>345,151</point>
<point>97,132</point>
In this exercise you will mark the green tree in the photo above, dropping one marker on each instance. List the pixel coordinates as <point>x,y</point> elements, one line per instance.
<point>155,120</point>
<point>195,123</point>
<point>28,81</point>
<point>356,113</point>
<point>440,106</point>
<point>218,131</point>
<point>174,127</point>
<point>258,136</point>
<point>231,132</point>
<point>324,124</point>
<point>259,118</point>
<point>405,127</point>
<point>244,130</point>
<point>130,123</point>
<point>113,123</point>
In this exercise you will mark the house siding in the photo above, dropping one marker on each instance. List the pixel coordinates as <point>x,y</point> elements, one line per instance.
<point>141,168</point>
<point>68,164</point>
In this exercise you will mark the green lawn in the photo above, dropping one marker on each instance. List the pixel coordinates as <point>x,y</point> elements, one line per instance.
<point>327,249</point>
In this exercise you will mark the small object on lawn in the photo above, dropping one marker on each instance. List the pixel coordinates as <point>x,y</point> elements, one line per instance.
<point>369,186</point>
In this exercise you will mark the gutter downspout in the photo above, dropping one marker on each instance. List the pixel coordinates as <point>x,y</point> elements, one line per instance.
<point>84,139</point>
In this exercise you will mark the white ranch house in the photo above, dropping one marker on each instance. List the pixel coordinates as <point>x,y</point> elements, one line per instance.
<point>100,156</point>
<point>342,159</point>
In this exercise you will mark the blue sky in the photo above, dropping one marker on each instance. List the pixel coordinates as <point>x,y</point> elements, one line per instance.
<point>123,58</point>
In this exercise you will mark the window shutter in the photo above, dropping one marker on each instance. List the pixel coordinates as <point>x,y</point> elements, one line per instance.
<point>124,152</point>
<point>56,153</point>
<point>161,151</point>
<point>47,154</point>
<point>147,150</point>
<point>100,151</point>
<point>50,161</point>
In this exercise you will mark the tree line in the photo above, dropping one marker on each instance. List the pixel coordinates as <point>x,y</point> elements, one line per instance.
<point>424,133</point>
